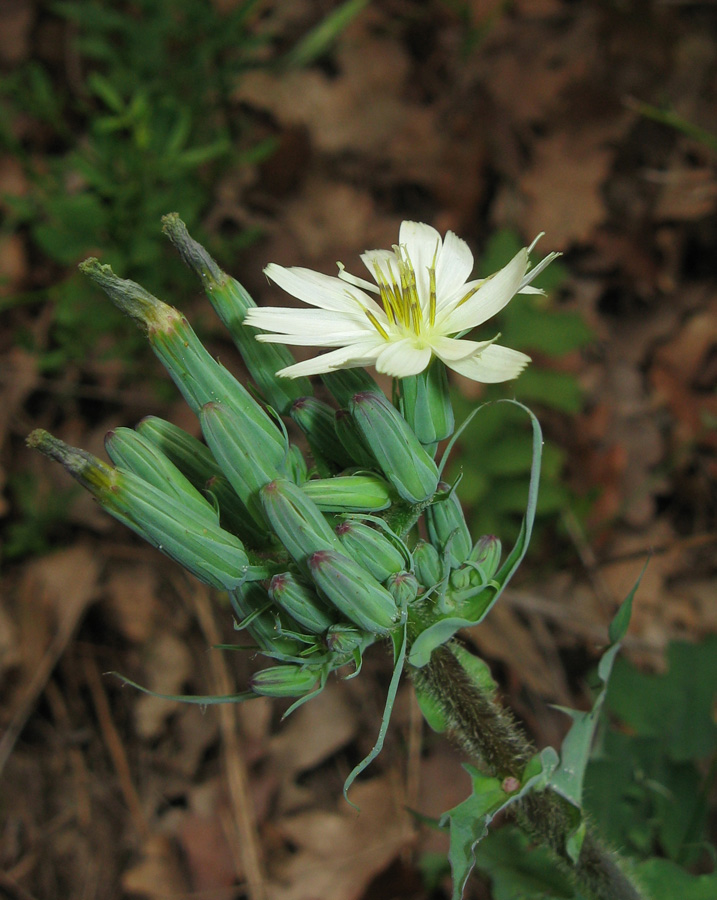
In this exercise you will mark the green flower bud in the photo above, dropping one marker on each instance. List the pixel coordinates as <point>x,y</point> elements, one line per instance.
<point>316,420</point>
<point>371,549</point>
<point>195,460</point>
<point>355,593</point>
<point>403,587</point>
<point>215,556</point>
<point>199,377</point>
<point>238,447</point>
<point>398,451</point>
<point>297,521</point>
<point>129,450</point>
<point>343,639</point>
<point>349,493</point>
<point>301,602</point>
<point>284,681</point>
<point>344,383</point>
<point>447,527</point>
<point>352,440</point>
<point>427,564</point>
<point>486,556</point>
<point>426,404</point>
<point>231,302</point>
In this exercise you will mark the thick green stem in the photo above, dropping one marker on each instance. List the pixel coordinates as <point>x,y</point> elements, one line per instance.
<point>488,732</point>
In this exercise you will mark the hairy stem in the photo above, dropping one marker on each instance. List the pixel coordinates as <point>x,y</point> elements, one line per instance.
<point>488,732</point>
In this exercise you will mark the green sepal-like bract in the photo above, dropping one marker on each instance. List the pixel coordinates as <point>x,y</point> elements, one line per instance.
<point>231,302</point>
<point>131,451</point>
<point>301,602</point>
<point>212,554</point>
<point>359,493</point>
<point>398,451</point>
<point>426,404</point>
<point>199,377</point>
<point>195,461</point>
<point>353,591</point>
<point>373,550</point>
<point>446,525</point>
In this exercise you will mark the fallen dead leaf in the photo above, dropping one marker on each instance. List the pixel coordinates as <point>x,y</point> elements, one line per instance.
<point>167,665</point>
<point>338,854</point>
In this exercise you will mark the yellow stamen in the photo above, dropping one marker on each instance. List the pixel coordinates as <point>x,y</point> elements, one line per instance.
<point>376,324</point>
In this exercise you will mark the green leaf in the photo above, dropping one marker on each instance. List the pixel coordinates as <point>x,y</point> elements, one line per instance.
<point>666,881</point>
<point>519,870</point>
<point>675,707</point>
<point>469,820</point>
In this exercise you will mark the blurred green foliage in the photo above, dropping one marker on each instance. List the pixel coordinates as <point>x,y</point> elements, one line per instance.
<point>494,454</point>
<point>148,128</point>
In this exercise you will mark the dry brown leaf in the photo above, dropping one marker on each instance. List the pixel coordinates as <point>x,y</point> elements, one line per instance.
<point>203,838</point>
<point>157,876</point>
<point>314,732</point>
<point>339,853</point>
<point>132,603</point>
<point>563,186</point>
<point>167,666</point>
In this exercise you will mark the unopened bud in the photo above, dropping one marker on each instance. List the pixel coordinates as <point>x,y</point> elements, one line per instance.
<point>301,602</point>
<point>426,404</point>
<point>427,564</point>
<point>486,556</point>
<point>244,457</point>
<point>355,593</point>
<point>398,451</point>
<point>341,639</point>
<point>403,587</point>
<point>284,681</point>
<point>446,525</point>
<point>231,303</point>
<point>349,493</point>
<point>129,450</point>
<point>215,556</point>
<point>373,550</point>
<point>199,377</point>
<point>297,521</point>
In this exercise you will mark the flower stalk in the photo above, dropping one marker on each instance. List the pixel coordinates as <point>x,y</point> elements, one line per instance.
<point>483,728</point>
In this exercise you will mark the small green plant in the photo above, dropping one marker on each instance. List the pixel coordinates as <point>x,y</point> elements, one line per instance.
<point>148,125</point>
<point>366,543</point>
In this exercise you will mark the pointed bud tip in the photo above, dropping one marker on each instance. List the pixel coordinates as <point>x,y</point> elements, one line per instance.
<point>192,252</point>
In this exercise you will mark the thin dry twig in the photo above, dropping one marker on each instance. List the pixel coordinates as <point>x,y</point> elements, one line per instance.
<point>237,775</point>
<point>114,745</point>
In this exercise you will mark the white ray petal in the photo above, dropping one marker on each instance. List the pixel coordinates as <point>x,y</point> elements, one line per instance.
<point>312,322</point>
<point>453,266</point>
<point>450,349</point>
<point>493,294</point>
<point>355,280</point>
<point>402,358</point>
<point>351,357</point>
<point>493,364</point>
<point>316,289</point>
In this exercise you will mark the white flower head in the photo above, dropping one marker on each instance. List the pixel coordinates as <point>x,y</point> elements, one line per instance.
<point>419,301</point>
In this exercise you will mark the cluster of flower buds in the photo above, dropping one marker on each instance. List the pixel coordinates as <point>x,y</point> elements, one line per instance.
<point>320,557</point>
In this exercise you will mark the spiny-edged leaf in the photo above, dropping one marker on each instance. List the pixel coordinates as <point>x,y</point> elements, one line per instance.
<point>469,820</point>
